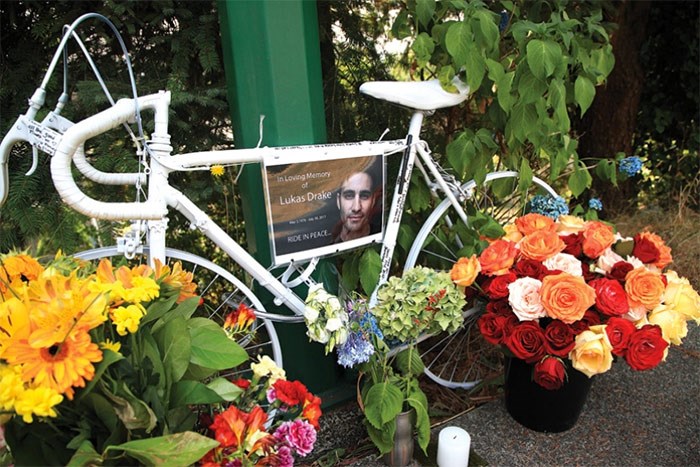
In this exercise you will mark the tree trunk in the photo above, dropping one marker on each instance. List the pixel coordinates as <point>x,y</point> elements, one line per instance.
<point>608,126</point>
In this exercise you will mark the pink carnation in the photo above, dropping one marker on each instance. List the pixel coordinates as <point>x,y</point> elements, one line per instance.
<point>299,435</point>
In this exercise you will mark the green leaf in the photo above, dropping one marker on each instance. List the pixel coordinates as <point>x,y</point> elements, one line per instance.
<point>134,413</point>
<point>579,180</point>
<point>401,28</point>
<point>606,169</point>
<point>486,30</point>
<point>460,152</point>
<point>383,403</point>
<point>350,272</point>
<point>176,449</point>
<point>175,347</point>
<point>192,393</point>
<point>383,438</point>
<point>103,409</point>
<point>584,92</point>
<point>108,358</point>
<point>85,455</point>
<point>225,389</point>
<point>457,39</point>
<point>417,400</point>
<point>158,309</point>
<point>212,348</point>
<point>557,99</point>
<point>408,361</point>
<point>423,46</point>
<point>424,11</point>
<point>523,121</point>
<point>370,267</point>
<point>525,176</point>
<point>543,57</point>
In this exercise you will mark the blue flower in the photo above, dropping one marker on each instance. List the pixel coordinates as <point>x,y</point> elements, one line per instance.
<point>631,165</point>
<point>549,206</point>
<point>595,204</point>
<point>369,322</point>
<point>357,349</point>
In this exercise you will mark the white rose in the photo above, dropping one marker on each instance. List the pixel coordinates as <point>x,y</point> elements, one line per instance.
<point>608,259</point>
<point>564,262</point>
<point>310,314</point>
<point>524,298</point>
<point>334,324</point>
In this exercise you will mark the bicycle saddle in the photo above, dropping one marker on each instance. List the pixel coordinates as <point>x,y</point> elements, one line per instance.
<point>418,95</point>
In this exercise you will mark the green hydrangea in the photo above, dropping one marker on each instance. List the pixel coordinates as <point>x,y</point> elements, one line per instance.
<point>422,301</point>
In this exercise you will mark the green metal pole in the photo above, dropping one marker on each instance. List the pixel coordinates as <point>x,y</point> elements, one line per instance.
<point>273,68</point>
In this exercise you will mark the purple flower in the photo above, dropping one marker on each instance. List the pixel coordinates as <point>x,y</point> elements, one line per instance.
<point>357,349</point>
<point>299,435</point>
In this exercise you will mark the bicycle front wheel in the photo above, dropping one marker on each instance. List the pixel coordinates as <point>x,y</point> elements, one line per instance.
<point>463,359</point>
<point>221,293</point>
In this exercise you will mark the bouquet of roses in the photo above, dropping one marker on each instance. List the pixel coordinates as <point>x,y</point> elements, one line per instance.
<point>575,289</point>
<point>270,421</point>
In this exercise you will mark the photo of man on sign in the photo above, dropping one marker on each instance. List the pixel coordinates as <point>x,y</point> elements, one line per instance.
<point>320,205</point>
<point>355,200</point>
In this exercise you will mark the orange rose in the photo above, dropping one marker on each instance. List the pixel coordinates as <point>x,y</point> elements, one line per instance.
<point>541,245</point>
<point>665,257</point>
<point>533,222</point>
<point>644,288</point>
<point>566,297</point>
<point>512,233</point>
<point>498,257</point>
<point>465,270</point>
<point>597,237</point>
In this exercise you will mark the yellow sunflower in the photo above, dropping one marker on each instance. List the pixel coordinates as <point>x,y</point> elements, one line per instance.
<point>60,366</point>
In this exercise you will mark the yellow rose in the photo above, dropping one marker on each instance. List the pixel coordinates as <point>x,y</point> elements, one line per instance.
<point>570,224</point>
<point>681,296</point>
<point>673,324</point>
<point>465,271</point>
<point>592,353</point>
<point>512,233</point>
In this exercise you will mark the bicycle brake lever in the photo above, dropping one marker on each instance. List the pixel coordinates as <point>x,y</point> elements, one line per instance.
<point>35,161</point>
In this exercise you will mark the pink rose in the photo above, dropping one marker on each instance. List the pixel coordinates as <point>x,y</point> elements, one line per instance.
<point>524,299</point>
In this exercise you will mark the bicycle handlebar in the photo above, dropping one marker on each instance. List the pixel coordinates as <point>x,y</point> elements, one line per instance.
<point>74,138</point>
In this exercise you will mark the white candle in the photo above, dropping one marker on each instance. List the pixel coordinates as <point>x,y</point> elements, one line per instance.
<point>453,447</point>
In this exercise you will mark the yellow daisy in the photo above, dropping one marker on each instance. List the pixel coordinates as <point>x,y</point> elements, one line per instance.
<point>61,366</point>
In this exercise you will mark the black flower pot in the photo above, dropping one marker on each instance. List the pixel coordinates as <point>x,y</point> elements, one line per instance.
<point>541,409</point>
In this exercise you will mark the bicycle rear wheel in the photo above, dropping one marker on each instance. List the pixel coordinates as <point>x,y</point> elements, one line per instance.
<point>221,293</point>
<point>463,359</point>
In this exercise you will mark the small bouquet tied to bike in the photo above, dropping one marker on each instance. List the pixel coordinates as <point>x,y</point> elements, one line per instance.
<point>575,291</point>
<point>381,343</point>
<point>119,365</point>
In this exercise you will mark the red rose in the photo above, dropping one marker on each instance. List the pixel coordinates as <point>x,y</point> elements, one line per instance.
<point>550,373</point>
<point>500,307</point>
<point>610,297</point>
<point>529,268</point>
<point>527,341</point>
<point>498,287</point>
<point>559,339</point>
<point>619,270</point>
<point>574,244</point>
<point>619,331</point>
<point>646,348</point>
<point>290,392</point>
<point>491,327</point>
<point>590,318</point>
<point>645,250</point>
